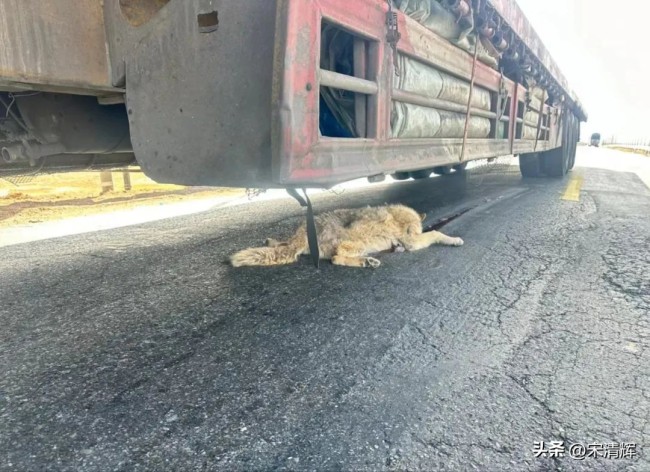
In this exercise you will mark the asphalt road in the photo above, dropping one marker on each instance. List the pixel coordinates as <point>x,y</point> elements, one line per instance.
<point>138,349</point>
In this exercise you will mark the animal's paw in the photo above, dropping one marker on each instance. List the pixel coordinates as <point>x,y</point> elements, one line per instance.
<point>458,242</point>
<point>371,262</point>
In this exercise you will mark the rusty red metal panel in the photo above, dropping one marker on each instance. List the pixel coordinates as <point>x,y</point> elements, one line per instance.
<point>301,155</point>
<point>54,45</point>
<point>229,110</point>
<point>299,96</point>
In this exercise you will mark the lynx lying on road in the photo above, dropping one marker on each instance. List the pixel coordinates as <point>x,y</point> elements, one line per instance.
<point>347,237</point>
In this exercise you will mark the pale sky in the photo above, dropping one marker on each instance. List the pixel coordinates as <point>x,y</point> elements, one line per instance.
<point>603,48</point>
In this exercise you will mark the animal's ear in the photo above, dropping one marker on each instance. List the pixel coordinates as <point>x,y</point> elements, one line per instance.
<point>423,216</point>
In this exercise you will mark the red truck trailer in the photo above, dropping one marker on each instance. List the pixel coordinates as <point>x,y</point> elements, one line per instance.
<point>279,93</point>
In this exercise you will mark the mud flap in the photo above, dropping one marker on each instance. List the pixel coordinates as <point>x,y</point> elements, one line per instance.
<point>312,238</point>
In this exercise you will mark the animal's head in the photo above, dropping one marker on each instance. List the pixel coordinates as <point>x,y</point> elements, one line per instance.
<point>410,219</point>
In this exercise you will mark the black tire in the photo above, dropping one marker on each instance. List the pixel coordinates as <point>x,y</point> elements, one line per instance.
<point>557,162</point>
<point>401,176</point>
<point>421,174</point>
<point>442,170</point>
<point>576,138</point>
<point>460,167</point>
<point>530,165</point>
<point>572,158</point>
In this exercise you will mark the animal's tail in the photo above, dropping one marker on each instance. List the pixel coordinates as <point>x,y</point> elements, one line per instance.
<point>267,256</point>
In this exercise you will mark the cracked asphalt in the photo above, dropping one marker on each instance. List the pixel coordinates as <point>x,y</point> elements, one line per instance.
<point>139,349</point>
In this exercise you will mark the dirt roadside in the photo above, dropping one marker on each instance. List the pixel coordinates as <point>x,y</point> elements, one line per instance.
<point>632,150</point>
<point>58,196</point>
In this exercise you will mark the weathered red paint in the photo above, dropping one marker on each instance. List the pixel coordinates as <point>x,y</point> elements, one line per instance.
<point>300,88</point>
<point>304,156</point>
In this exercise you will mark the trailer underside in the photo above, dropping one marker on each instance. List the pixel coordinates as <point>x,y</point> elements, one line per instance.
<point>275,94</point>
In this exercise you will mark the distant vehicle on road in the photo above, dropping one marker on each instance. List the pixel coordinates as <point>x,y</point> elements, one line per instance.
<point>595,140</point>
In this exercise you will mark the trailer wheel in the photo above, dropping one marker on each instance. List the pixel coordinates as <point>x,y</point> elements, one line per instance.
<point>442,170</point>
<point>557,162</point>
<point>530,165</point>
<point>401,176</point>
<point>572,157</point>
<point>576,138</point>
<point>421,174</point>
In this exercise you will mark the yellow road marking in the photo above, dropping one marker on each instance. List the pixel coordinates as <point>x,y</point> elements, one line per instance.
<point>572,192</point>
